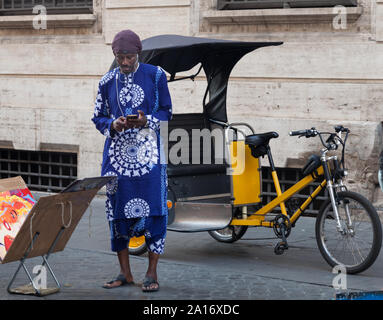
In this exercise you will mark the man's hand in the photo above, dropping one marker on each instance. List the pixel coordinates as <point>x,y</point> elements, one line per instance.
<point>137,123</point>
<point>119,124</point>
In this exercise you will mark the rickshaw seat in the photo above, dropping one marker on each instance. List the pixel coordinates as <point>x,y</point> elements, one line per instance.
<point>190,122</point>
<point>202,175</point>
<point>260,139</point>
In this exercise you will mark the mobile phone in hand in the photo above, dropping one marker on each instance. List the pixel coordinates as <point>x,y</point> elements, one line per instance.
<point>131,116</point>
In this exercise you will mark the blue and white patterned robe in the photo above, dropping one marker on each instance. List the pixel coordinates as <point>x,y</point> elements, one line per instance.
<point>134,155</point>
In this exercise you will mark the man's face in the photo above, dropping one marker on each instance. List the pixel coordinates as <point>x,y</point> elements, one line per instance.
<point>126,61</point>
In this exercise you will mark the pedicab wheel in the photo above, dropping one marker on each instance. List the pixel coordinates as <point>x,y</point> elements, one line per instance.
<point>137,246</point>
<point>355,246</point>
<point>229,234</point>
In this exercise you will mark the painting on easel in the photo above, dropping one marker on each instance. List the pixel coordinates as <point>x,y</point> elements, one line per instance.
<point>15,204</point>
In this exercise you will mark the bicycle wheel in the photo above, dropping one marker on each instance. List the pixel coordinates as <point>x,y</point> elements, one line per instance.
<point>137,246</point>
<point>229,234</point>
<point>355,246</point>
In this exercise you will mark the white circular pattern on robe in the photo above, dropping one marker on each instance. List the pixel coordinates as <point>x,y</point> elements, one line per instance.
<point>136,208</point>
<point>111,187</point>
<point>133,154</point>
<point>134,93</point>
<point>137,95</point>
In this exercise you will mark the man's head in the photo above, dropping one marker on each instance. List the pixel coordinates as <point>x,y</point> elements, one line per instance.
<point>126,47</point>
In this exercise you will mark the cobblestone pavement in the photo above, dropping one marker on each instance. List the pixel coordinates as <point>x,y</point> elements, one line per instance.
<point>209,272</point>
<point>81,274</point>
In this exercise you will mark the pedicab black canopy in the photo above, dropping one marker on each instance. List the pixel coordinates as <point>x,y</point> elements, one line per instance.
<point>176,54</point>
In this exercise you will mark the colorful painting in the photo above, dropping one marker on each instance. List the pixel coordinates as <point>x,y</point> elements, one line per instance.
<point>14,208</point>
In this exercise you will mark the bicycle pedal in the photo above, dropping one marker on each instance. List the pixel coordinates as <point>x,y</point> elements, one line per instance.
<point>280,247</point>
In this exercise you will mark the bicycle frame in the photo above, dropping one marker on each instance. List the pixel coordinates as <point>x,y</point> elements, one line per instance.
<point>258,218</point>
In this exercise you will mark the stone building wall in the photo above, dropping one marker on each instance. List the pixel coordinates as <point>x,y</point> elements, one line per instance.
<point>321,76</point>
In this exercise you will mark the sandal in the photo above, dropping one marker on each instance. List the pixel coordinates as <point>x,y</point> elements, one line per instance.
<point>120,278</point>
<point>146,285</point>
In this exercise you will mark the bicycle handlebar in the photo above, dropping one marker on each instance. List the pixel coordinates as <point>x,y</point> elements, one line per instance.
<point>341,129</point>
<point>297,133</point>
<point>333,140</point>
<point>304,133</point>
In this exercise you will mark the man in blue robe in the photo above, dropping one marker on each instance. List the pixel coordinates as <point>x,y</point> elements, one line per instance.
<point>136,199</point>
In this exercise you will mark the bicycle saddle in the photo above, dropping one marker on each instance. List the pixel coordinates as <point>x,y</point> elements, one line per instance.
<point>260,139</point>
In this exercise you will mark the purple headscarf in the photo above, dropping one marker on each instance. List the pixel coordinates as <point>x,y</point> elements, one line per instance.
<point>126,41</point>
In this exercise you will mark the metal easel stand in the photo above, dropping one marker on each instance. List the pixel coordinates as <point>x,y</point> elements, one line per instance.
<point>32,288</point>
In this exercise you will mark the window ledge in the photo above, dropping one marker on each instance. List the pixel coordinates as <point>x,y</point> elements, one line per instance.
<point>53,21</point>
<point>287,15</point>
